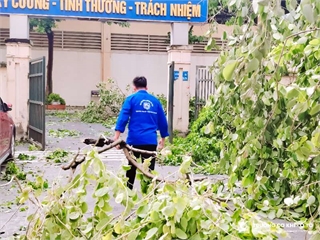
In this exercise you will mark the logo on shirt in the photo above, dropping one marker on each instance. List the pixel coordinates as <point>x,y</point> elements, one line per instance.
<point>146,105</point>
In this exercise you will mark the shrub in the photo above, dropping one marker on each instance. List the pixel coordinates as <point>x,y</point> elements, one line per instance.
<point>54,97</point>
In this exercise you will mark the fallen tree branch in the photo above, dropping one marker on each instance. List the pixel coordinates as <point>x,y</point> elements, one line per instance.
<point>106,141</point>
<point>102,142</point>
<point>140,168</point>
<point>109,144</point>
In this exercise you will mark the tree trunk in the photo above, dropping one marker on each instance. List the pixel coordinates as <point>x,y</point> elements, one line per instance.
<point>49,87</point>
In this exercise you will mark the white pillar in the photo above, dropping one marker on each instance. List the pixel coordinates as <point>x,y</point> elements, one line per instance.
<point>180,53</point>
<point>18,57</point>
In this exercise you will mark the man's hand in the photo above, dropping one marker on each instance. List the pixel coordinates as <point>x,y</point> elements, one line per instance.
<point>116,138</point>
<point>161,143</point>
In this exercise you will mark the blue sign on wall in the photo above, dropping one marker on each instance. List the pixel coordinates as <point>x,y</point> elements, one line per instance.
<point>194,11</point>
<point>176,75</point>
<point>185,76</point>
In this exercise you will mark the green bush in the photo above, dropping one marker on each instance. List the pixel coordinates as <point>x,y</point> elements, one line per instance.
<point>54,97</point>
<point>108,106</point>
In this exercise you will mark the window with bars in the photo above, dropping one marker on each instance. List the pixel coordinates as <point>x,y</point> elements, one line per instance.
<point>62,39</point>
<point>151,43</point>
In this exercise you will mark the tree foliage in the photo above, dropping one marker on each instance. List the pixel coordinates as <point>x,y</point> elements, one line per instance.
<point>264,134</point>
<point>164,210</point>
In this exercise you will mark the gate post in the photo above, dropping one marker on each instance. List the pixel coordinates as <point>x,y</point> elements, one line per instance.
<point>180,53</point>
<point>18,56</point>
<point>170,101</point>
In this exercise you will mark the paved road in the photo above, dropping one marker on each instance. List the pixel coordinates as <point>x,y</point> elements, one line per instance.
<point>15,220</point>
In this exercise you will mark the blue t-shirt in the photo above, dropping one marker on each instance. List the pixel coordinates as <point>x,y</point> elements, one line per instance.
<point>145,115</point>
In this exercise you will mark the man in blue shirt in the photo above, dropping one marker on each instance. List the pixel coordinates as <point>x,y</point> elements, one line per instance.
<point>146,116</point>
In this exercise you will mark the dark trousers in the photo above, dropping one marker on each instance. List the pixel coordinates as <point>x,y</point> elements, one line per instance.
<point>131,174</point>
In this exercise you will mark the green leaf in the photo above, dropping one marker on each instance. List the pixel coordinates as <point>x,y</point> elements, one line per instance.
<point>293,93</point>
<point>229,69</point>
<point>168,211</point>
<point>225,36</point>
<point>117,227</point>
<point>84,207</point>
<point>272,214</point>
<point>209,128</point>
<point>253,65</point>
<point>133,235</point>
<point>154,216</point>
<point>126,167</point>
<point>184,223</point>
<point>102,223</point>
<point>302,40</point>
<point>101,192</point>
<point>151,233</point>
<point>119,198</point>
<point>311,200</point>
<point>277,36</point>
<point>315,42</point>
<point>196,237</point>
<point>315,110</point>
<point>74,215</point>
<point>308,13</point>
<point>181,234</point>
<point>279,213</point>
<point>142,211</point>
<point>185,166</point>
<point>108,236</point>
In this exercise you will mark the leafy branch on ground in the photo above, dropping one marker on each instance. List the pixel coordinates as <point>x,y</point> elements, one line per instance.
<point>26,157</point>
<point>58,156</point>
<point>166,209</point>
<point>33,147</point>
<point>65,116</point>
<point>11,170</point>
<point>61,133</point>
<point>108,106</point>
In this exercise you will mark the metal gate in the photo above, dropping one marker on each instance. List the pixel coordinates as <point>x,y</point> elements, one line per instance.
<point>37,82</point>
<point>204,87</point>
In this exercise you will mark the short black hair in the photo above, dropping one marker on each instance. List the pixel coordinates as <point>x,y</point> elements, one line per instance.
<point>140,82</point>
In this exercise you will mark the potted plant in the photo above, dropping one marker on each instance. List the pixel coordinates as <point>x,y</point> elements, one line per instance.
<point>55,102</point>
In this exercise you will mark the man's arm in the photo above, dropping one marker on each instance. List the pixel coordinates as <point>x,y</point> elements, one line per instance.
<point>123,118</point>
<point>162,125</point>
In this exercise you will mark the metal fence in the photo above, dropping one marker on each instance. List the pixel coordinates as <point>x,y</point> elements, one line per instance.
<point>204,87</point>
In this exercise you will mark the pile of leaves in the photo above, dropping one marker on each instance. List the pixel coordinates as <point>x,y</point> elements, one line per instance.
<point>26,157</point>
<point>12,170</point>
<point>58,156</point>
<point>61,133</point>
<point>167,210</point>
<point>260,130</point>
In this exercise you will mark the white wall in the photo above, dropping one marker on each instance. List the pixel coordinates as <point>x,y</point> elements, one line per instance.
<point>126,66</point>
<point>75,74</point>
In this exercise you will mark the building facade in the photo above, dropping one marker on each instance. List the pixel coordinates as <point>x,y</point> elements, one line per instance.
<point>89,52</point>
